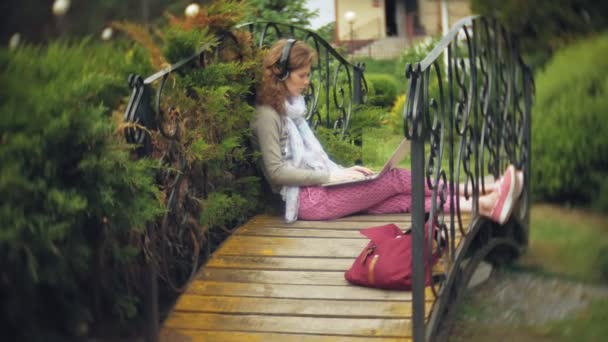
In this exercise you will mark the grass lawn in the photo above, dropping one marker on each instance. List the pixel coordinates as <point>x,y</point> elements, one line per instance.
<point>378,145</point>
<point>568,242</point>
<point>567,246</point>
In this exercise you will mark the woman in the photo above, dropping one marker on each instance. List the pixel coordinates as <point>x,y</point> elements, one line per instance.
<point>295,164</point>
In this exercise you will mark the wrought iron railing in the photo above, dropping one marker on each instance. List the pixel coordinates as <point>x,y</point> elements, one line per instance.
<point>334,80</point>
<point>467,115</point>
<point>337,87</point>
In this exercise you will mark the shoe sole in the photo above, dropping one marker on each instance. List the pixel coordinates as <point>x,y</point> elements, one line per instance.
<point>507,206</point>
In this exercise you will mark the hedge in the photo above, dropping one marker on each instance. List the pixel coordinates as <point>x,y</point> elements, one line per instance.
<point>569,144</point>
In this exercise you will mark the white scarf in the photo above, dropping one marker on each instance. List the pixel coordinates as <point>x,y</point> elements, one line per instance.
<point>303,151</point>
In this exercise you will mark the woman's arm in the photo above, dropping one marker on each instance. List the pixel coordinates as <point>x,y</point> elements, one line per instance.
<point>267,131</point>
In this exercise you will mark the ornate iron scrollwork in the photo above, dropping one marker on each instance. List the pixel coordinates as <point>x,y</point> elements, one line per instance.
<point>139,114</point>
<point>478,122</point>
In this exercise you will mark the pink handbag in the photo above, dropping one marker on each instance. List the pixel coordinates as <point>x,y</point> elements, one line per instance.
<point>386,262</point>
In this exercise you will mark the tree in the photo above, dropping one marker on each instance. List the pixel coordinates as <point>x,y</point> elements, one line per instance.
<point>285,11</point>
<point>74,202</point>
<point>328,31</point>
<point>545,25</point>
<point>34,20</point>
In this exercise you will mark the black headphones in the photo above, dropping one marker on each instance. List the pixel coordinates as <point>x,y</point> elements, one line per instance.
<point>284,60</point>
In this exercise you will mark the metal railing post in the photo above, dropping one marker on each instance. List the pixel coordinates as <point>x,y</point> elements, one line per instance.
<point>418,242</point>
<point>413,122</point>
<point>357,76</point>
<point>151,304</point>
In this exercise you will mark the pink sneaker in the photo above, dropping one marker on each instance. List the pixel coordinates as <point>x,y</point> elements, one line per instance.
<point>520,183</point>
<point>507,194</point>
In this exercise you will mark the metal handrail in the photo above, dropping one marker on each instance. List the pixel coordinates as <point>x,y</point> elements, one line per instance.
<point>468,106</point>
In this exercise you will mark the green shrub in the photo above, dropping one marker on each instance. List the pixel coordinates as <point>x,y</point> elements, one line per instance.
<point>545,26</point>
<point>347,151</point>
<point>328,32</point>
<point>382,89</point>
<point>378,66</point>
<point>379,144</point>
<point>569,144</point>
<point>74,204</point>
<point>366,116</point>
<point>218,188</point>
<point>394,119</point>
<point>342,151</point>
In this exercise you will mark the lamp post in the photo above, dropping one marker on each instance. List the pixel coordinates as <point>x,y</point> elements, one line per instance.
<point>60,8</point>
<point>350,17</point>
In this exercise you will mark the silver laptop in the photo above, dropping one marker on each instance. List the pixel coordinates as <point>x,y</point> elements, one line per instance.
<point>400,153</point>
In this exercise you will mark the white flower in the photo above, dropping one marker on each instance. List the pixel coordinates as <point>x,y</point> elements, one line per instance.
<point>14,41</point>
<point>192,10</point>
<point>107,33</point>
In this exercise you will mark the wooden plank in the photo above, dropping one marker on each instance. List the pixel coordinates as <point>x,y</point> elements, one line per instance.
<point>273,281</point>
<point>291,247</point>
<point>357,218</point>
<point>302,232</point>
<point>279,263</point>
<point>374,219</point>
<point>221,275</point>
<point>403,217</point>
<point>273,277</point>
<point>347,225</point>
<point>295,307</point>
<point>306,232</point>
<point>172,335</point>
<point>349,292</point>
<point>291,324</point>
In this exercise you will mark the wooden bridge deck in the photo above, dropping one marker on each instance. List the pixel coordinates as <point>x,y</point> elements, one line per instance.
<point>272,281</point>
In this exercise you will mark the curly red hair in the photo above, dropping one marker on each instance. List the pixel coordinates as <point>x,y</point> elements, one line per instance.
<point>271,90</point>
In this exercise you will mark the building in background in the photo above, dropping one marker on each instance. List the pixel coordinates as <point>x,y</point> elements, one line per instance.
<point>362,21</point>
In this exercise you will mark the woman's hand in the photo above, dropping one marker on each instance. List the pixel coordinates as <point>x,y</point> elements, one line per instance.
<point>351,173</point>
<point>361,169</point>
<point>344,175</point>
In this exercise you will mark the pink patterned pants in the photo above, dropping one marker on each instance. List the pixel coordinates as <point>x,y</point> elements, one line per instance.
<point>390,193</point>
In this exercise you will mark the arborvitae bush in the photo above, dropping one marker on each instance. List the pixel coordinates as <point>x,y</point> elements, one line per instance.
<point>569,141</point>
<point>206,107</point>
<point>74,203</point>
<point>383,90</point>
